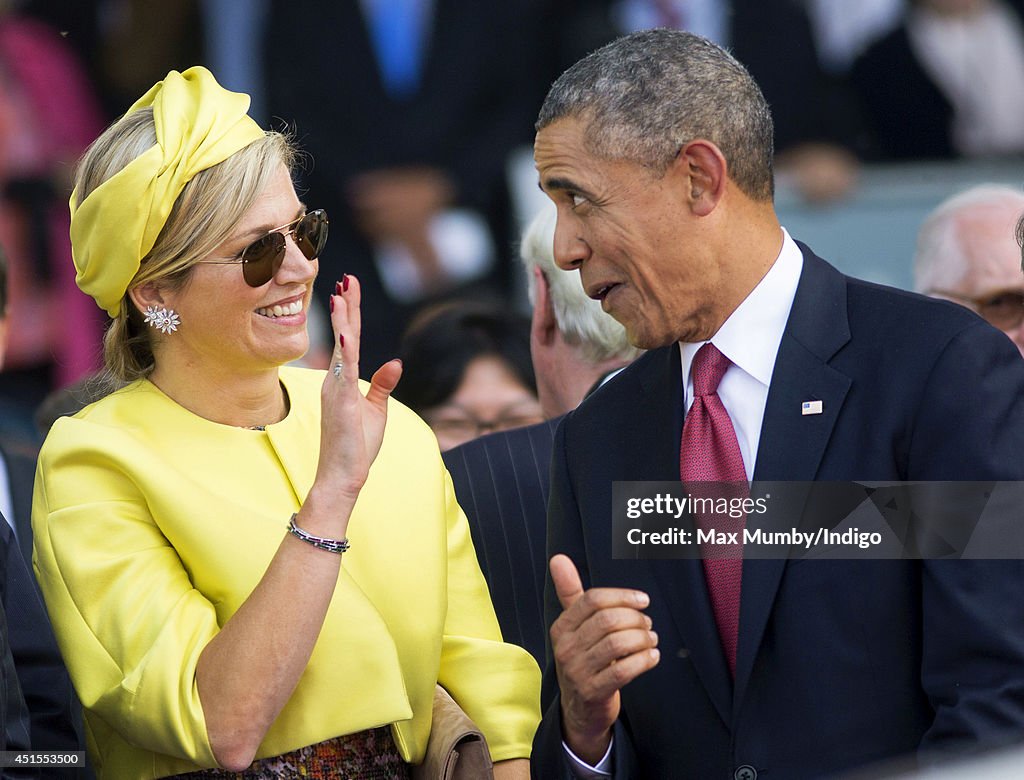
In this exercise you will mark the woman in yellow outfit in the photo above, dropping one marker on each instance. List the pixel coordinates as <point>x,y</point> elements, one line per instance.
<point>206,633</point>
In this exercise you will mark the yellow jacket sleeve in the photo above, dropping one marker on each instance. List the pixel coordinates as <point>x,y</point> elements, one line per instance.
<point>497,684</point>
<point>103,566</point>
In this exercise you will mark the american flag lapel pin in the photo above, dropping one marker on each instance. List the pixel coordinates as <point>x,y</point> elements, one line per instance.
<point>810,407</point>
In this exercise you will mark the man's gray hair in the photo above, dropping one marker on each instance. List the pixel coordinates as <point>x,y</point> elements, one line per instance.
<point>646,95</point>
<point>580,319</point>
<point>940,261</point>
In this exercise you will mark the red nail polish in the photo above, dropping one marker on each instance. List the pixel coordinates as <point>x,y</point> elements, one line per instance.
<point>341,340</point>
<point>344,282</point>
<point>331,299</point>
<point>337,288</point>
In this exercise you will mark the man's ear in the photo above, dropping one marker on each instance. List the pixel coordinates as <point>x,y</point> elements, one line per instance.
<point>146,295</point>
<point>707,169</point>
<point>542,323</point>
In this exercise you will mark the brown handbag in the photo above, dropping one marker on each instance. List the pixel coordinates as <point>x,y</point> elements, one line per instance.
<point>456,749</point>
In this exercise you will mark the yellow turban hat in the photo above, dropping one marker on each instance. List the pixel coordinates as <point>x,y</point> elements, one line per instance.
<point>198,124</point>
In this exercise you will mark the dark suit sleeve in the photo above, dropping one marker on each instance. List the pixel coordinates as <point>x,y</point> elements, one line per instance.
<point>565,535</point>
<point>44,680</point>
<point>971,427</point>
<point>14,719</point>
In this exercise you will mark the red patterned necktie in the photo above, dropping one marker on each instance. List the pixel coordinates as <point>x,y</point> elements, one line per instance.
<point>709,453</point>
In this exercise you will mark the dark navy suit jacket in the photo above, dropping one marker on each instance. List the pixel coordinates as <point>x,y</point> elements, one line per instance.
<point>839,663</point>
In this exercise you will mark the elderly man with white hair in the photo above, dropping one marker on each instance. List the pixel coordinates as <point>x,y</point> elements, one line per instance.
<point>967,252</point>
<point>575,346</point>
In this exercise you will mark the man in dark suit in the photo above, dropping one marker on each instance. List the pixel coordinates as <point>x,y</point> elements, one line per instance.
<point>501,480</point>
<point>657,153</point>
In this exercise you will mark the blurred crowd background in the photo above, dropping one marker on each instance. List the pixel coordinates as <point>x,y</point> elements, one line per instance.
<point>417,118</point>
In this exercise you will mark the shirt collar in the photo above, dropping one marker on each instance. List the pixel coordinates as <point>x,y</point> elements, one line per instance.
<point>751,335</point>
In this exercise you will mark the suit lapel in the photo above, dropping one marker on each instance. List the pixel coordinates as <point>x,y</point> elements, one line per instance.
<point>792,444</point>
<point>680,583</point>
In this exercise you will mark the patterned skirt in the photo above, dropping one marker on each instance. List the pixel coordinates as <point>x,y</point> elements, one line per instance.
<point>366,755</point>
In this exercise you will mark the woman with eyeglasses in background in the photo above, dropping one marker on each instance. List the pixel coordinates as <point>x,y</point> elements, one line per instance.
<point>203,629</point>
<point>467,370</point>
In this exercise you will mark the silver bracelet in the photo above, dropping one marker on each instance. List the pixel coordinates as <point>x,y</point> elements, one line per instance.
<point>337,546</point>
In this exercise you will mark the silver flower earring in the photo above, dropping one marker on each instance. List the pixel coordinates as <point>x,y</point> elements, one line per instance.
<point>164,320</point>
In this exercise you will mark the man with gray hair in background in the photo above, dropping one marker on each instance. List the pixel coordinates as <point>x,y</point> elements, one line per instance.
<point>501,480</point>
<point>574,345</point>
<point>967,252</point>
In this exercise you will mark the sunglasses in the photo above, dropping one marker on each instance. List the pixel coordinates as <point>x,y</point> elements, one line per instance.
<point>1003,310</point>
<point>263,257</point>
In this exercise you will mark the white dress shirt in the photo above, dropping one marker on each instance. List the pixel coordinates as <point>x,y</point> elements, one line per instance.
<point>750,338</point>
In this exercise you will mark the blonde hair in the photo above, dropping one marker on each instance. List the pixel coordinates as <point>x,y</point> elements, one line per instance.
<point>203,216</point>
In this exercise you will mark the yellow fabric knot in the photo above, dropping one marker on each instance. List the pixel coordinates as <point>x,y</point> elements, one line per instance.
<point>198,124</point>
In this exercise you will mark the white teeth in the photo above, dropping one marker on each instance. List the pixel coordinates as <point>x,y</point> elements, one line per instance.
<point>278,310</point>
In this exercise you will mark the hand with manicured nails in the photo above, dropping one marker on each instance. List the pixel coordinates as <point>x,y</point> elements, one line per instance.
<point>352,424</point>
<point>601,641</point>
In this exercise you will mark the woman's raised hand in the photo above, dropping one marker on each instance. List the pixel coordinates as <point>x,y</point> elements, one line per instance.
<point>352,424</point>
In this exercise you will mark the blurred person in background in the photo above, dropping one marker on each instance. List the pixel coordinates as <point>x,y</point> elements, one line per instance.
<point>467,370</point>
<point>948,82</point>
<point>206,632</point>
<point>48,115</point>
<point>125,45</point>
<point>842,30</point>
<point>816,124</point>
<point>967,252</point>
<point>18,445</point>
<point>410,109</point>
<point>574,345</point>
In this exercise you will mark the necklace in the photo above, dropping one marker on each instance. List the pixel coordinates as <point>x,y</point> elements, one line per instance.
<point>255,427</point>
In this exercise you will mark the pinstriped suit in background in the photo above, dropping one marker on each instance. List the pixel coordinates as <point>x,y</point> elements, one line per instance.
<point>501,482</point>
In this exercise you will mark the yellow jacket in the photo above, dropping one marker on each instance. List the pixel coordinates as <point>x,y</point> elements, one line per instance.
<point>153,525</point>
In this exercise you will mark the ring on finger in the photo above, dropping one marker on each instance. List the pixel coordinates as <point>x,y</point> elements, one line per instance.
<point>337,369</point>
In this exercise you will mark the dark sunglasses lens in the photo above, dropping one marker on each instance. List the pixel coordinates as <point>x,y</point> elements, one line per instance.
<point>262,258</point>
<point>311,234</point>
<point>1005,311</point>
